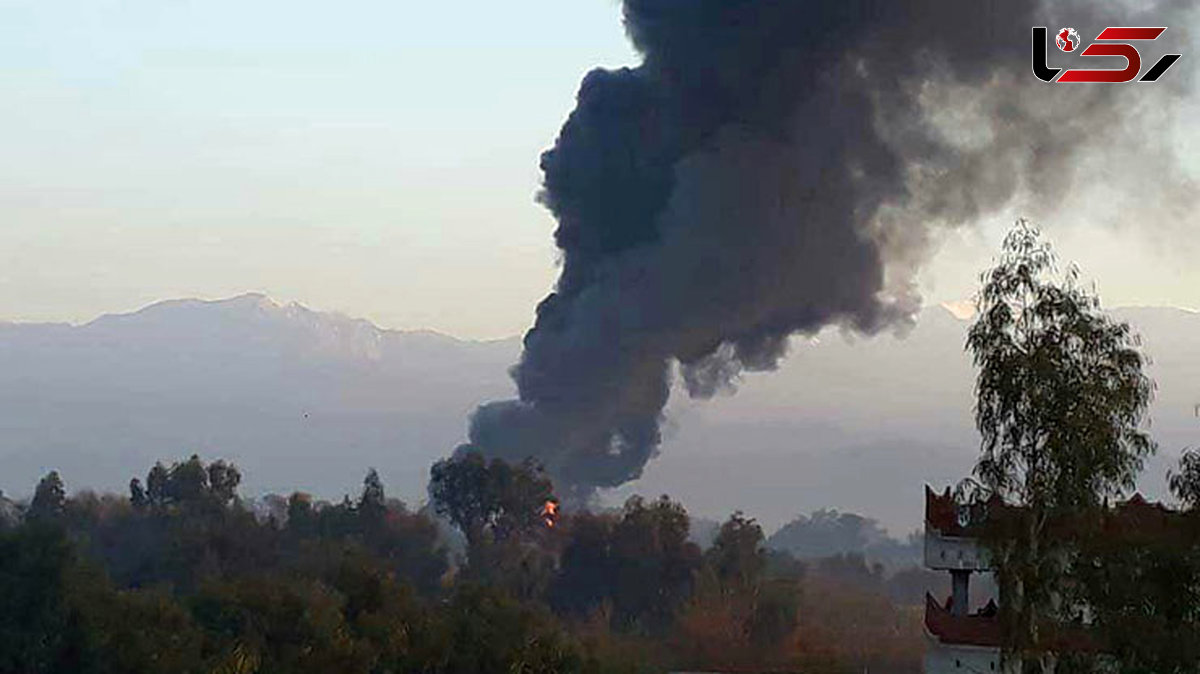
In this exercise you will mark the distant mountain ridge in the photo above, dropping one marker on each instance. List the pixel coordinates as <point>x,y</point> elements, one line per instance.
<point>303,399</point>
<point>341,333</point>
<point>300,399</point>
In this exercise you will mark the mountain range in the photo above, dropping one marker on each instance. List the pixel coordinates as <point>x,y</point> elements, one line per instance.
<point>308,400</point>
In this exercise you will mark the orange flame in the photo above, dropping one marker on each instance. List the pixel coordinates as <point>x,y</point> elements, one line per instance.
<point>549,513</point>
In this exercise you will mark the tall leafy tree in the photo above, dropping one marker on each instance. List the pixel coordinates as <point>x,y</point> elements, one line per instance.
<point>736,615</point>
<point>498,507</point>
<point>223,481</point>
<point>137,494</point>
<point>653,563</point>
<point>372,503</point>
<point>737,555</point>
<point>494,499</point>
<point>461,489</point>
<point>1140,574</point>
<point>1185,481</point>
<point>640,564</point>
<point>301,516</point>
<point>1061,397</point>
<point>187,483</point>
<point>156,485</point>
<point>49,499</point>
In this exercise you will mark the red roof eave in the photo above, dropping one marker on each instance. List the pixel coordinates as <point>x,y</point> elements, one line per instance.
<point>969,630</point>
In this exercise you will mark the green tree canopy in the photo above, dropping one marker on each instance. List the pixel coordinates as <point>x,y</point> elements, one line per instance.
<point>1061,395</point>
<point>49,499</point>
<point>1061,398</point>
<point>494,498</point>
<point>737,554</point>
<point>1185,481</point>
<point>372,503</point>
<point>188,484</point>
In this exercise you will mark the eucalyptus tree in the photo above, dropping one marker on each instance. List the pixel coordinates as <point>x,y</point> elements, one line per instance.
<point>1061,403</point>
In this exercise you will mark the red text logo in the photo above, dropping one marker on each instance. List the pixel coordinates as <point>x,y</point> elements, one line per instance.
<point>1112,41</point>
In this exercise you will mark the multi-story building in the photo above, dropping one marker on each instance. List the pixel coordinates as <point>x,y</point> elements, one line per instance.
<point>959,640</point>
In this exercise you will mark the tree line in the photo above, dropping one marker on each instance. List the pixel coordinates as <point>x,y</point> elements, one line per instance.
<point>183,575</point>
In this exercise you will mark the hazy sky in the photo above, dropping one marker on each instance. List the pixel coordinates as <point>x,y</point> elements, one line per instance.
<point>376,158</point>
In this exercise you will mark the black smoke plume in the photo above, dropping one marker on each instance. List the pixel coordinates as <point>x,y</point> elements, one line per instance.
<point>771,168</point>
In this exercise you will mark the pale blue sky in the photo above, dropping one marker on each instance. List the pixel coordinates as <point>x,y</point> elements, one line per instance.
<point>376,158</point>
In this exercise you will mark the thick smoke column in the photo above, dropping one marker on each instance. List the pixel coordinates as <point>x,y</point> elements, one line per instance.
<point>773,167</point>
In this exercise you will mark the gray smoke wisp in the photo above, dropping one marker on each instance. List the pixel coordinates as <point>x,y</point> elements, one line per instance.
<point>774,167</point>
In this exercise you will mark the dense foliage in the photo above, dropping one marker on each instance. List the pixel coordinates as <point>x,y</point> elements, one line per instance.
<point>1089,581</point>
<point>183,575</point>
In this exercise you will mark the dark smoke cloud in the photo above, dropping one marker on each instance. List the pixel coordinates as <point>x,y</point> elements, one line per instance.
<point>774,167</point>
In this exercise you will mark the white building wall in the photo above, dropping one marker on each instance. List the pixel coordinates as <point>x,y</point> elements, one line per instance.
<point>947,659</point>
<point>943,553</point>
